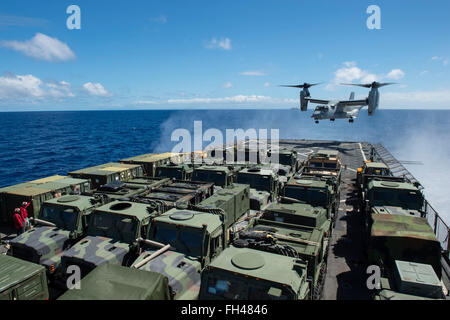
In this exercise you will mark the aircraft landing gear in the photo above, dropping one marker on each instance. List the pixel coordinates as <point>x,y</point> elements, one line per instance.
<point>332,120</point>
<point>317,121</point>
<point>351,120</point>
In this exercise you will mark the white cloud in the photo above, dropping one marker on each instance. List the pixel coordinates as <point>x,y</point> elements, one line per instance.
<point>440,59</point>
<point>350,73</point>
<point>238,99</point>
<point>417,99</point>
<point>227,85</point>
<point>223,43</point>
<point>253,73</point>
<point>42,47</point>
<point>26,87</point>
<point>161,19</point>
<point>96,89</point>
<point>267,84</point>
<point>144,102</point>
<point>395,74</point>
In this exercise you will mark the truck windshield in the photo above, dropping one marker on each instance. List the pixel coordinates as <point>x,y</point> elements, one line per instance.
<point>255,181</point>
<point>378,171</point>
<point>114,226</point>
<point>223,288</point>
<point>185,240</point>
<point>169,173</point>
<point>313,196</point>
<point>406,199</point>
<point>218,178</point>
<point>63,218</point>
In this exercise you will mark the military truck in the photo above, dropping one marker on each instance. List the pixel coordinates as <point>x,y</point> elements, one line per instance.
<point>174,171</point>
<point>37,192</point>
<point>221,176</point>
<point>391,197</point>
<point>286,157</point>
<point>299,242</point>
<point>234,200</point>
<point>323,164</point>
<point>203,190</point>
<point>264,185</point>
<point>300,214</point>
<point>249,274</point>
<point>117,190</point>
<point>410,281</point>
<point>371,170</point>
<point>22,280</point>
<point>111,237</point>
<point>151,161</point>
<point>108,172</point>
<point>113,282</point>
<point>180,244</point>
<point>62,222</point>
<point>317,192</point>
<point>405,238</point>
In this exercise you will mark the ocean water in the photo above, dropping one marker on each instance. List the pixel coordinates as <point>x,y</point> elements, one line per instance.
<point>38,144</point>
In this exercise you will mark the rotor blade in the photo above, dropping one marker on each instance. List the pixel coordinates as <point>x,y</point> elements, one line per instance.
<point>287,86</point>
<point>301,86</point>
<point>385,84</point>
<point>357,85</point>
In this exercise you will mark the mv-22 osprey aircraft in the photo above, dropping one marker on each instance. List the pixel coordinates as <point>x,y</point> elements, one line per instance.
<point>335,109</point>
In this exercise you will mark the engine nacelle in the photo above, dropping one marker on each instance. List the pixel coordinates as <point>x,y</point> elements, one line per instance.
<point>373,101</point>
<point>303,102</point>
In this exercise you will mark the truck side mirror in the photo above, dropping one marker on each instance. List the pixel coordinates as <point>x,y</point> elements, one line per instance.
<point>274,293</point>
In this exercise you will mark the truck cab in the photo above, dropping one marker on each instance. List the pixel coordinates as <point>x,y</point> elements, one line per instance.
<point>174,171</point>
<point>111,237</point>
<point>264,185</point>
<point>316,192</point>
<point>371,170</point>
<point>62,222</point>
<point>221,176</point>
<point>193,240</point>
<point>248,274</point>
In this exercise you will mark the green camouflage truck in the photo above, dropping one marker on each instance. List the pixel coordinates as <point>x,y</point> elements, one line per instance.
<point>37,192</point>
<point>221,176</point>
<point>391,197</point>
<point>22,280</point>
<point>112,236</point>
<point>174,171</point>
<point>112,282</point>
<point>151,161</point>
<point>248,274</point>
<point>234,200</point>
<point>300,214</point>
<point>308,244</point>
<point>371,170</point>
<point>62,222</point>
<point>401,237</point>
<point>108,172</point>
<point>180,244</point>
<point>264,185</point>
<point>317,192</point>
<point>117,190</point>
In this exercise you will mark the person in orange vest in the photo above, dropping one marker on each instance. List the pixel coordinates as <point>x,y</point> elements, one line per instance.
<point>24,215</point>
<point>18,222</point>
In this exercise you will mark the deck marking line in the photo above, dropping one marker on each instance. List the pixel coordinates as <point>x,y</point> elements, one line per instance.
<point>362,152</point>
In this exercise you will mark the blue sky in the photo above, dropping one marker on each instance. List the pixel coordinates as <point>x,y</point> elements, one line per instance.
<point>219,54</point>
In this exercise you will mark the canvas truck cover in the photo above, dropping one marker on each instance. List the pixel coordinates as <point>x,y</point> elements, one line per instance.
<point>113,282</point>
<point>22,280</point>
<point>406,238</point>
